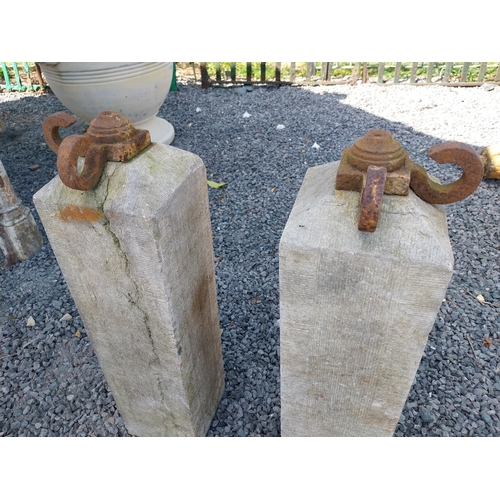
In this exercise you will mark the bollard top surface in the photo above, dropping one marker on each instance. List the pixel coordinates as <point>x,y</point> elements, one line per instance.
<point>409,229</point>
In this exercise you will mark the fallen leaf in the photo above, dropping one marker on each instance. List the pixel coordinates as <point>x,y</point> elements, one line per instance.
<point>78,334</point>
<point>480,298</point>
<point>30,322</point>
<point>272,190</point>
<point>216,185</point>
<point>66,317</point>
<point>487,342</point>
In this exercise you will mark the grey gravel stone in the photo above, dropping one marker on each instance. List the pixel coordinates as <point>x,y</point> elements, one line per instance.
<point>426,415</point>
<point>486,418</point>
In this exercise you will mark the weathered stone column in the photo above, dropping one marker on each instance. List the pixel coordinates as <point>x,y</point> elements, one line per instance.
<point>19,234</point>
<point>356,308</point>
<point>137,255</point>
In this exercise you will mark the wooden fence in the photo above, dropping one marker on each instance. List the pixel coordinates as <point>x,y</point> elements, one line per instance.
<point>27,76</point>
<point>330,73</point>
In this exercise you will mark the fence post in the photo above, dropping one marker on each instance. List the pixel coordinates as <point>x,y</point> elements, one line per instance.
<point>413,75</point>
<point>355,73</point>
<point>205,80</point>
<point>310,70</point>
<point>277,74</point>
<point>365,72</point>
<point>447,71</point>
<point>482,71</point>
<point>430,71</point>
<point>326,70</point>
<point>381,67</point>
<point>249,72</point>
<point>465,72</point>
<point>397,72</point>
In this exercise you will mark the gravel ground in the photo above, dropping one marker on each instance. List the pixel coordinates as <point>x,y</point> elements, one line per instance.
<point>51,382</point>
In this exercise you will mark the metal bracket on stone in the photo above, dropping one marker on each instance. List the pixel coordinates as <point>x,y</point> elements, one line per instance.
<point>376,164</point>
<point>110,137</point>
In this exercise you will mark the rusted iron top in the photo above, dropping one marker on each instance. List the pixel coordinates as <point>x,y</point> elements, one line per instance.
<point>376,164</point>
<point>110,137</point>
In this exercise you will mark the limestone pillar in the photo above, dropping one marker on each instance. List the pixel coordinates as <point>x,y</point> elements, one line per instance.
<point>137,255</point>
<point>19,234</point>
<point>356,308</point>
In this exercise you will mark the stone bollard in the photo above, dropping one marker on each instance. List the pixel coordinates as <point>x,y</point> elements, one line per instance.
<point>136,252</point>
<point>356,307</point>
<point>19,234</point>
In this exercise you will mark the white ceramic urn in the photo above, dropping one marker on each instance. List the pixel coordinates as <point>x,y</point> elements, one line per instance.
<point>134,89</point>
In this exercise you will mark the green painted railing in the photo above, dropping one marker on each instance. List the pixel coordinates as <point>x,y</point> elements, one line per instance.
<point>17,76</point>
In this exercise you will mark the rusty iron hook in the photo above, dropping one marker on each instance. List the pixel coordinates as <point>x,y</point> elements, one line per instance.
<point>110,137</point>
<point>376,164</point>
<point>463,155</point>
<point>51,127</point>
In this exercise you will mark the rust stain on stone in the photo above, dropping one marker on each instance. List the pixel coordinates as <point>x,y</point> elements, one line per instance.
<point>72,213</point>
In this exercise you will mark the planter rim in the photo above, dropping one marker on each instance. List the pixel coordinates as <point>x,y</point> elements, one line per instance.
<point>97,72</point>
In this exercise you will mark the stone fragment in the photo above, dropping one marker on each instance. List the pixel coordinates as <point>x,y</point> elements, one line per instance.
<point>425,415</point>
<point>19,234</point>
<point>490,157</point>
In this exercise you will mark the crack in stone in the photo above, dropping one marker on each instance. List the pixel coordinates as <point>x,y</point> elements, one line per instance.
<point>132,300</point>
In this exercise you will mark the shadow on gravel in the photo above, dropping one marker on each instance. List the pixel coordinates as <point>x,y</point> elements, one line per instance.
<point>51,381</point>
